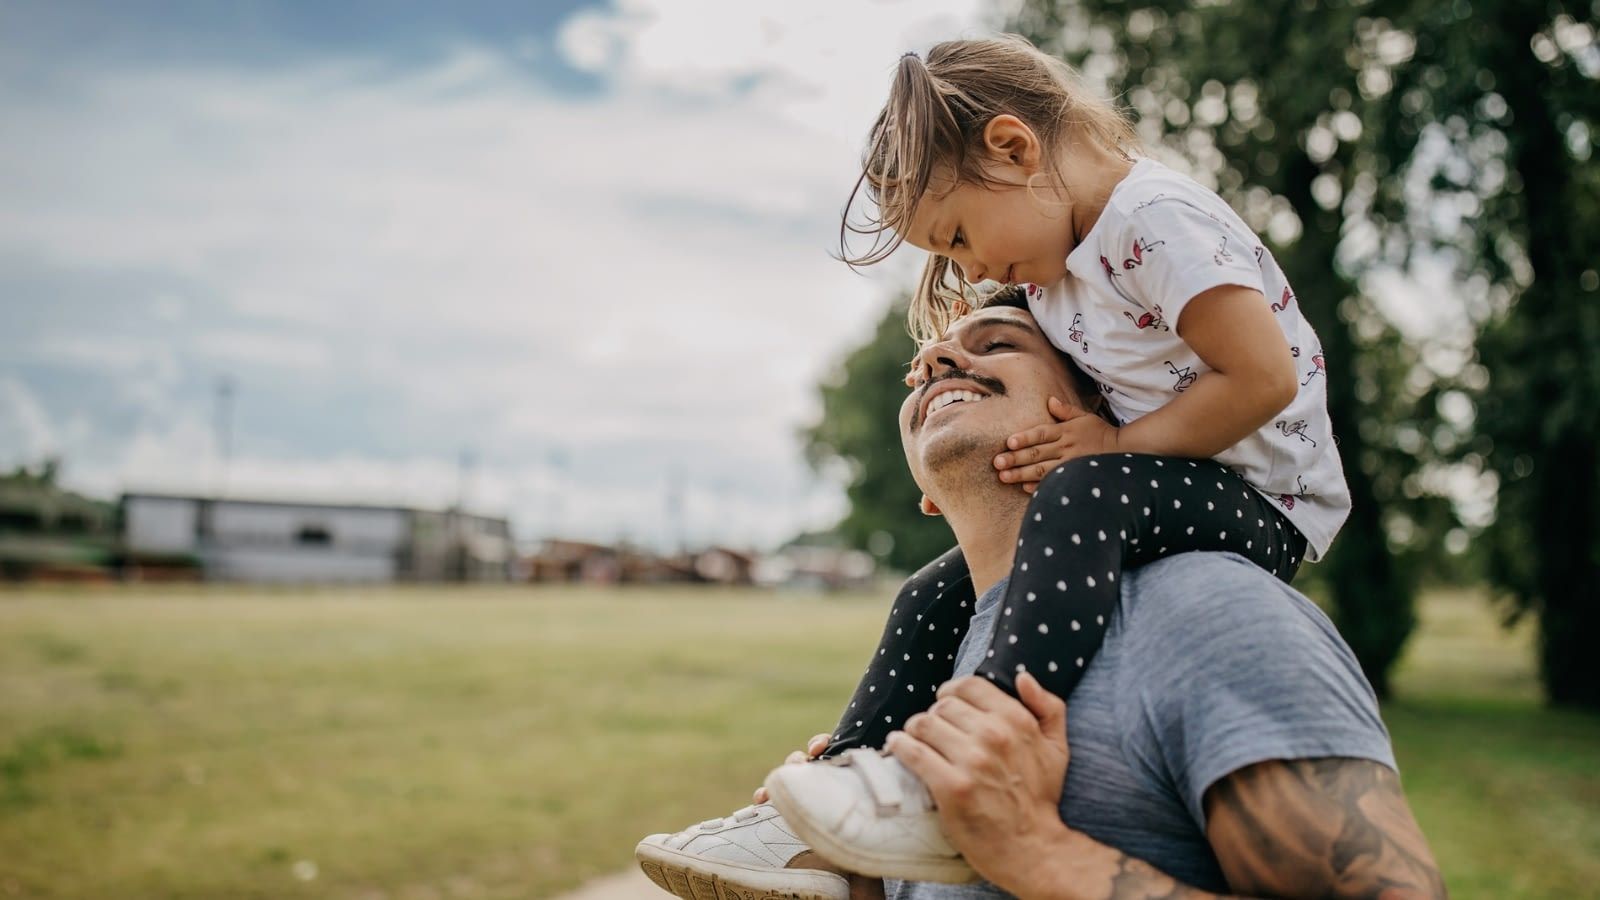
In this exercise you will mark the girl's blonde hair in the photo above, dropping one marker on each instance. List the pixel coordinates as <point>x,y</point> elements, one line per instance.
<point>935,117</point>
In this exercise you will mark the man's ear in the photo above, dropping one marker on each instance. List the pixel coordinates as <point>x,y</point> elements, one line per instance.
<point>1009,139</point>
<point>928,507</point>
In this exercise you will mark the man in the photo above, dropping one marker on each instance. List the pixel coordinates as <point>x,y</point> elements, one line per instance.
<point>1223,740</point>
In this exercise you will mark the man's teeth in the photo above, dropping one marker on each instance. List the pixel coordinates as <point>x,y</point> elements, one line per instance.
<point>949,397</point>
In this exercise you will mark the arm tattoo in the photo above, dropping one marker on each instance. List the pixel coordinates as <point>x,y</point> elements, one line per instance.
<point>1332,829</point>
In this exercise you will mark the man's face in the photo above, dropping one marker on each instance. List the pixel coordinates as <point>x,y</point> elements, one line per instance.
<point>987,379</point>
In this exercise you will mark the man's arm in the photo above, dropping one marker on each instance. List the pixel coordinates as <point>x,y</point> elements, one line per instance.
<point>1329,828</point>
<point>1319,828</point>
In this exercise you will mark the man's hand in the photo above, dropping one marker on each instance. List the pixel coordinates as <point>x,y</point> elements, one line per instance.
<point>1325,828</point>
<point>1035,453</point>
<point>995,769</point>
<point>814,748</point>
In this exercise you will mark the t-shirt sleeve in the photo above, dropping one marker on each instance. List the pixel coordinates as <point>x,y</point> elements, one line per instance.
<point>1172,250</point>
<point>1252,671</point>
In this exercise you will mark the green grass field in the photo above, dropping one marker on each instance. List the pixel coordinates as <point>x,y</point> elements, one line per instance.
<point>160,742</point>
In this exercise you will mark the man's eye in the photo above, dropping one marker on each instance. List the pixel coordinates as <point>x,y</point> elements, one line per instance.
<point>995,345</point>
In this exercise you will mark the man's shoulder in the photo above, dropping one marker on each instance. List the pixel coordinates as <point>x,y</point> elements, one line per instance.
<point>1215,604</point>
<point>1204,579</point>
<point>1229,667</point>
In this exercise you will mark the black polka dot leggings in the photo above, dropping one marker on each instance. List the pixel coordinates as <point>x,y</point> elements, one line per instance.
<point>1088,521</point>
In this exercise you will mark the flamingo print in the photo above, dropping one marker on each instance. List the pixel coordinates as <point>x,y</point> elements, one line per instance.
<point>1075,331</point>
<point>1221,254</point>
<point>1288,499</point>
<point>1140,245</point>
<point>1155,318</point>
<point>1186,376</point>
<point>1283,304</point>
<point>1321,369</point>
<point>1297,428</point>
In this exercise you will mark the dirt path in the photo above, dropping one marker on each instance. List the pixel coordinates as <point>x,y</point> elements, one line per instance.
<point>626,885</point>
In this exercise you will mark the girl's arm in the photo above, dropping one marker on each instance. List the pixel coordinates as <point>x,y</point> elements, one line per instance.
<point>1232,330</point>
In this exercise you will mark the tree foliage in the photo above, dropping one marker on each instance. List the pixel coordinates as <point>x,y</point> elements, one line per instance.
<point>1362,138</point>
<point>859,432</point>
<point>1494,112</point>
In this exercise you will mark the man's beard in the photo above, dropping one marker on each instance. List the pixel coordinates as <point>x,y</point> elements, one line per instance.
<point>947,452</point>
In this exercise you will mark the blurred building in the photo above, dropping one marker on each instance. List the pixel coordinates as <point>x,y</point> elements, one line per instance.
<point>279,541</point>
<point>575,561</point>
<point>585,562</point>
<point>817,567</point>
<point>48,532</point>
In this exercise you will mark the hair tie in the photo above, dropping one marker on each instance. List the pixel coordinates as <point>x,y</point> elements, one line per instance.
<point>912,54</point>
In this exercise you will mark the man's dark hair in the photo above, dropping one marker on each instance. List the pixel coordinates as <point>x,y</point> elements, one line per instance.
<point>1012,295</point>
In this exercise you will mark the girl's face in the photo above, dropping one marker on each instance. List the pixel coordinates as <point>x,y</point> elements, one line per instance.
<point>1003,232</point>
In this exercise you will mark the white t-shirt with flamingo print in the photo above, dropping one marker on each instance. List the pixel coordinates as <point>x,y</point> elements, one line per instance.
<point>1162,240</point>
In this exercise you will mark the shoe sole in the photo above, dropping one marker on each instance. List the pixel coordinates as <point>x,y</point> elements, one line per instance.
<point>826,843</point>
<point>696,878</point>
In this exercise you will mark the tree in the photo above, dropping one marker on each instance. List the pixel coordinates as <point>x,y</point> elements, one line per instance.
<point>1270,110</point>
<point>859,431</point>
<point>1496,112</point>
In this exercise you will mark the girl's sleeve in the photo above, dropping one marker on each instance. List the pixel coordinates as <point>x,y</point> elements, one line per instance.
<point>1172,251</point>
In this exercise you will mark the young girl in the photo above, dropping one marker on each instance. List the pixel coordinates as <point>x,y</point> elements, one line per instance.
<point>991,157</point>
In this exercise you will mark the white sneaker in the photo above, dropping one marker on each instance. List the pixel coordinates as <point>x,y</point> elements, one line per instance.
<point>868,813</point>
<point>741,857</point>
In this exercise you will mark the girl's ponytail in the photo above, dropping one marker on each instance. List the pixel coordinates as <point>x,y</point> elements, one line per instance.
<point>915,125</point>
<point>918,126</point>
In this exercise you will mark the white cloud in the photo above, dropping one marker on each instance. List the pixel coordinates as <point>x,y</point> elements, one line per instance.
<point>24,423</point>
<point>648,266</point>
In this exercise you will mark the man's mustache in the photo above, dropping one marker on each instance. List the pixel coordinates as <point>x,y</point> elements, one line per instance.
<point>992,385</point>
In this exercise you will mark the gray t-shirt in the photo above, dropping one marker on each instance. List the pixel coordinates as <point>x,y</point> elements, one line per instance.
<point>1209,665</point>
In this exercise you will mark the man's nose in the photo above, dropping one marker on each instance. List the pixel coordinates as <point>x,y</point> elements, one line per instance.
<point>941,357</point>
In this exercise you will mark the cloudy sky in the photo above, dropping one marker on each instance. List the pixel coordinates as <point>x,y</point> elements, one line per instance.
<point>587,243</point>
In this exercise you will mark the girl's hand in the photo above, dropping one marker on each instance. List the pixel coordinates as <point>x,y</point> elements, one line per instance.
<point>1035,453</point>
<point>814,748</point>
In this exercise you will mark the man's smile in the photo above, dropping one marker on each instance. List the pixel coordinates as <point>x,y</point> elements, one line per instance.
<point>951,397</point>
<point>955,387</point>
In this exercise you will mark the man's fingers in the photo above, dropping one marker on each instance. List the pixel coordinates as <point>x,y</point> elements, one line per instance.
<point>979,692</point>
<point>1050,710</point>
<point>945,737</point>
<point>938,773</point>
<point>956,711</point>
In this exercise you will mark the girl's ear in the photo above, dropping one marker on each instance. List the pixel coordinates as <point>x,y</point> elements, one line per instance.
<point>928,508</point>
<point>1009,139</point>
